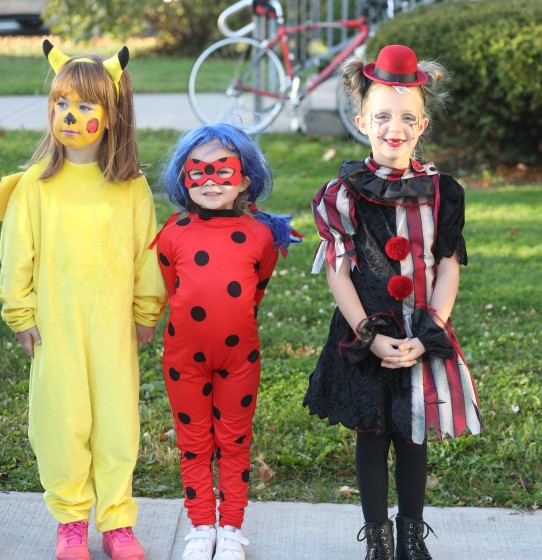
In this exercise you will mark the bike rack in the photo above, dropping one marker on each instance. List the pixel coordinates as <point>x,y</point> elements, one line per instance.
<point>233,9</point>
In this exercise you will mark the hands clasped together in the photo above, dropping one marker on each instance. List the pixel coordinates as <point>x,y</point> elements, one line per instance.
<point>397,353</point>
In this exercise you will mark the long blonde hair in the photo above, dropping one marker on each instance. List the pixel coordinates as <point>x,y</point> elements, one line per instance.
<point>118,156</point>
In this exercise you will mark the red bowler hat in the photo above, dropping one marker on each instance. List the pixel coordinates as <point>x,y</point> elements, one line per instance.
<point>396,65</point>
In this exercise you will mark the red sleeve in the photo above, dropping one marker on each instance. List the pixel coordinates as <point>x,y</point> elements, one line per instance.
<point>167,264</point>
<point>267,265</point>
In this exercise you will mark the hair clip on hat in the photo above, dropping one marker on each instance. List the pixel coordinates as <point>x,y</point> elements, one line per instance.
<point>114,65</point>
<point>396,65</point>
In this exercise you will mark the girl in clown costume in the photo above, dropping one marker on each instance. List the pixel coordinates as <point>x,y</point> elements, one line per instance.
<point>80,290</point>
<point>391,229</point>
<point>217,256</point>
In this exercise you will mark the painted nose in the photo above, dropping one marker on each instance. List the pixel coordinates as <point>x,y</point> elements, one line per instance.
<point>70,119</point>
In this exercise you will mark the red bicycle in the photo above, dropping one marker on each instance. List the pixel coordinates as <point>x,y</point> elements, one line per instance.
<point>242,80</point>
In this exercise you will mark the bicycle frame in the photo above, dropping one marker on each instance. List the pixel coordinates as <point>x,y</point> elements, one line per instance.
<point>283,33</point>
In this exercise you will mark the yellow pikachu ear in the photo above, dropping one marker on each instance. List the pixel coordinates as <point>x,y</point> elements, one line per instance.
<point>115,65</point>
<point>55,56</point>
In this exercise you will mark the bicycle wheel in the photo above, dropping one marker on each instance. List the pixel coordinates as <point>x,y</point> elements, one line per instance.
<point>235,80</point>
<point>348,109</point>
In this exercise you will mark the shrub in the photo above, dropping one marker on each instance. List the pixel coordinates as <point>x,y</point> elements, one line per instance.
<point>493,51</point>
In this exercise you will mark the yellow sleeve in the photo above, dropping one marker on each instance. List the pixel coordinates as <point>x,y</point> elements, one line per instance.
<point>149,289</point>
<point>16,275</point>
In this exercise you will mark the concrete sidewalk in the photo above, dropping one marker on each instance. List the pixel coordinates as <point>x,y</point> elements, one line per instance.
<point>155,111</point>
<point>279,530</point>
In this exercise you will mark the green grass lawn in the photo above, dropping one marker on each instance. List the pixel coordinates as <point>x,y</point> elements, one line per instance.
<point>25,71</point>
<point>497,318</point>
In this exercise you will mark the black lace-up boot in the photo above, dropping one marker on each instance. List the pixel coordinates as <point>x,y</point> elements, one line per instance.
<point>379,540</point>
<point>411,537</point>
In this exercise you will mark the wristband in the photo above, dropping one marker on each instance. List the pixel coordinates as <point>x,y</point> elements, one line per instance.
<point>434,338</point>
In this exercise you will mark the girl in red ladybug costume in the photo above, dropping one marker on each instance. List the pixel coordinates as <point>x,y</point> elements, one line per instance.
<point>391,230</point>
<point>217,256</point>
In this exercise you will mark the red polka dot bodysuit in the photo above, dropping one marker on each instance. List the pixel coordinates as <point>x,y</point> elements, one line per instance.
<point>216,267</point>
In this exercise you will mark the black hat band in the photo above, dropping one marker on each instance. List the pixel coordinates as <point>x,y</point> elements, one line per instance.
<point>401,78</point>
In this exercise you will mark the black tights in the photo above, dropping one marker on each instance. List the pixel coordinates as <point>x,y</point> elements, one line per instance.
<point>372,473</point>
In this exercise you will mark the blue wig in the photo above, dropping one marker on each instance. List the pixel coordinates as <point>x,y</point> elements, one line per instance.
<point>254,166</point>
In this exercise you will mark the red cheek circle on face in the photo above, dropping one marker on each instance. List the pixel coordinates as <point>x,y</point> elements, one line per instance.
<point>92,126</point>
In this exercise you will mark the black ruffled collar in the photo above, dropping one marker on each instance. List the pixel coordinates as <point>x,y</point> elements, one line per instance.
<point>386,185</point>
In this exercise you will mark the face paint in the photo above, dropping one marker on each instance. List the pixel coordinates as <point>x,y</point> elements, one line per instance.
<point>92,126</point>
<point>76,123</point>
<point>383,122</point>
<point>223,171</point>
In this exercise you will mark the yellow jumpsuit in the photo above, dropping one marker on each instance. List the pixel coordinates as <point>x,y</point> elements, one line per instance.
<point>75,263</point>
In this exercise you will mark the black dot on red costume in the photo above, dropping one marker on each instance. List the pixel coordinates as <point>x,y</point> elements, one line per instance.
<point>263,284</point>
<point>216,413</point>
<point>212,430</point>
<point>232,340</point>
<point>238,237</point>
<point>201,258</point>
<point>234,289</point>
<point>218,453</point>
<point>184,418</point>
<point>209,169</point>
<point>207,388</point>
<point>223,373</point>
<point>174,374</point>
<point>190,493</point>
<point>221,496</point>
<point>246,401</point>
<point>253,356</point>
<point>199,357</point>
<point>198,313</point>
<point>189,455</point>
<point>177,282</point>
<point>240,440</point>
<point>171,329</point>
<point>163,259</point>
<point>183,221</point>
<point>245,475</point>
<point>257,266</point>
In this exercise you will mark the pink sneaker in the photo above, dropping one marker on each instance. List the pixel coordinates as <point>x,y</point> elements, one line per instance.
<point>72,541</point>
<point>121,544</point>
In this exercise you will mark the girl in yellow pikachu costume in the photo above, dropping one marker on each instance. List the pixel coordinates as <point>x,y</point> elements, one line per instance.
<point>80,289</point>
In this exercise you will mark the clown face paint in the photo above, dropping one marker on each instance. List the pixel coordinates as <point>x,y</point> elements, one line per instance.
<point>213,177</point>
<point>79,126</point>
<point>394,122</point>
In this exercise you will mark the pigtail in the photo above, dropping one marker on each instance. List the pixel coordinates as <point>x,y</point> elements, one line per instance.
<point>353,79</point>
<point>280,227</point>
<point>433,90</point>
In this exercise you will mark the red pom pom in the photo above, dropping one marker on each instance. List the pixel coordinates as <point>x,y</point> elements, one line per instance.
<point>400,287</point>
<point>397,248</point>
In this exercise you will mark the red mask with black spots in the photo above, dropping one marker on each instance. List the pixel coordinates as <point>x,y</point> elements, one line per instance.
<point>223,171</point>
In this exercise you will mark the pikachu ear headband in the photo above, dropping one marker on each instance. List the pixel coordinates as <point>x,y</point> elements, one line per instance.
<point>114,65</point>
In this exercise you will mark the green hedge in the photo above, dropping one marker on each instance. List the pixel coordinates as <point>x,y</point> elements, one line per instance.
<point>493,50</point>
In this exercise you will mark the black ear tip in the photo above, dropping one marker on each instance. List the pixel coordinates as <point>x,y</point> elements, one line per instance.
<point>124,56</point>
<point>47,47</point>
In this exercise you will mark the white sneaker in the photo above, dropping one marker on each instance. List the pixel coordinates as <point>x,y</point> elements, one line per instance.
<point>230,545</point>
<point>200,544</point>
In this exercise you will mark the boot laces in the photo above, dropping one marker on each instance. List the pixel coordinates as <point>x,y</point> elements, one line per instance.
<point>377,549</point>
<point>421,531</point>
